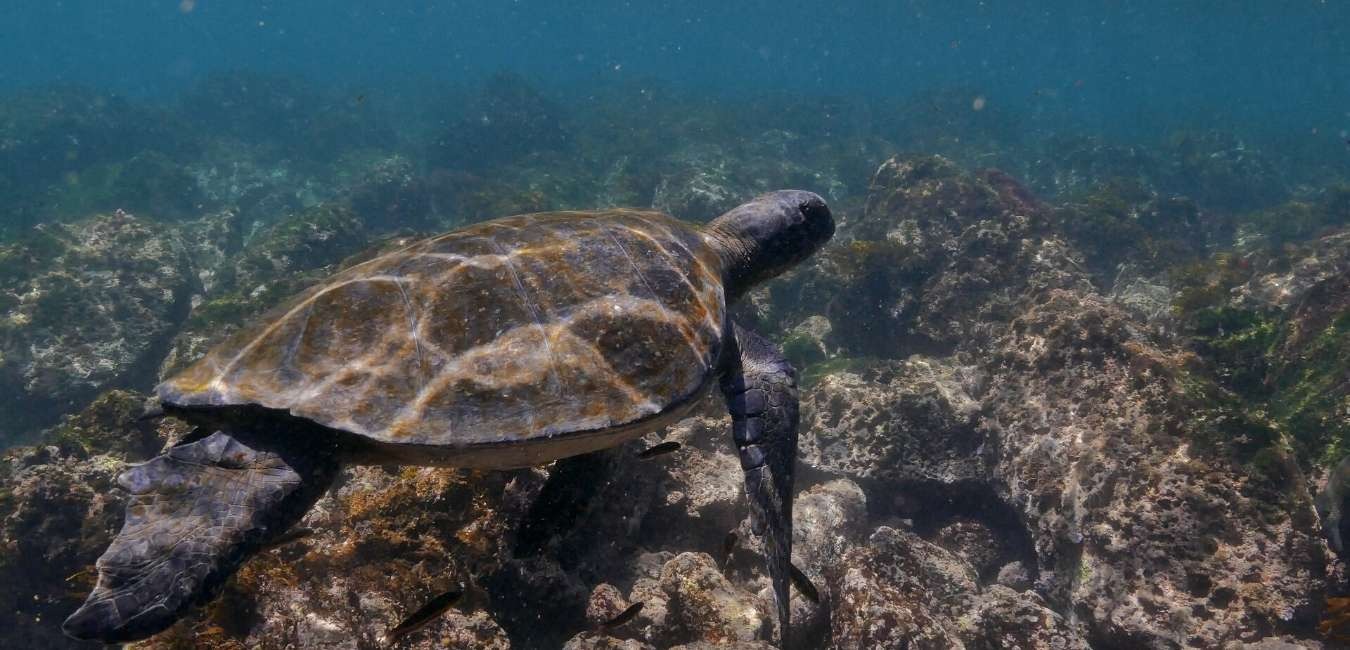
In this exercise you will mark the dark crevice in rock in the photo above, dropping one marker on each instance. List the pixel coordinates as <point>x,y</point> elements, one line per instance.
<point>931,506</point>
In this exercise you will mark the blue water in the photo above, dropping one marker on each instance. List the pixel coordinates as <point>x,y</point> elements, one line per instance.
<point>1125,66</point>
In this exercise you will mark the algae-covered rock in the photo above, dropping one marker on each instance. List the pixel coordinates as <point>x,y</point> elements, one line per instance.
<point>1220,170</point>
<point>57,513</point>
<point>1139,495</point>
<point>898,591</point>
<point>827,520</point>
<point>704,606</point>
<point>937,257</point>
<point>383,543</point>
<point>592,641</point>
<point>59,508</point>
<point>1003,618</point>
<point>1299,220</point>
<point>1124,222</point>
<point>114,423</point>
<point>86,307</point>
<point>909,420</point>
<point>312,239</point>
<point>702,180</point>
<point>1116,467</point>
<point>1272,327</point>
<point>1076,164</point>
<point>62,144</point>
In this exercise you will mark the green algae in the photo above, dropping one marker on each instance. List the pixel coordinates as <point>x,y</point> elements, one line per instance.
<point>802,350</point>
<point>1121,220</point>
<point>814,373</point>
<point>150,182</point>
<point>112,423</point>
<point>1296,382</point>
<point>1296,221</point>
<point>1310,397</point>
<point>231,308</point>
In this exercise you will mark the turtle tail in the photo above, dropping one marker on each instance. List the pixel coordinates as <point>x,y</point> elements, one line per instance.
<point>195,514</point>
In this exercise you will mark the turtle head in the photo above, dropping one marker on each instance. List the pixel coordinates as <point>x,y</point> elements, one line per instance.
<point>769,235</point>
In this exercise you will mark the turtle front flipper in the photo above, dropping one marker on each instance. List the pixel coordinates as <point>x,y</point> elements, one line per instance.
<point>195,514</point>
<point>1330,504</point>
<point>761,392</point>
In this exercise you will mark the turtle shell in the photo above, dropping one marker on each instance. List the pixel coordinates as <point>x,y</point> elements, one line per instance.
<point>516,329</point>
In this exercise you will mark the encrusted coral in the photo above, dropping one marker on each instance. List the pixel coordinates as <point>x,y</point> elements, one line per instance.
<point>86,307</point>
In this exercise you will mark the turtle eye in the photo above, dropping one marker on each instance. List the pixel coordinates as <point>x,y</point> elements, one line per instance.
<point>817,216</point>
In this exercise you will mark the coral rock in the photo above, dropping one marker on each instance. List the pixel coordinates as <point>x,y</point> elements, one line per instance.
<point>704,606</point>
<point>913,419</point>
<point>85,307</point>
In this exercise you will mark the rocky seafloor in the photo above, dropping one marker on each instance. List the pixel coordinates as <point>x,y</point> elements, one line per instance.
<point>1084,402</point>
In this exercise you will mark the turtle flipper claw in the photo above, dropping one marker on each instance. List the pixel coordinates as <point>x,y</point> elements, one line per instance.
<point>194,515</point>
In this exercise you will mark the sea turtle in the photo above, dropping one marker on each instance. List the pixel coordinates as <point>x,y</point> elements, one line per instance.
<point>509,343</point>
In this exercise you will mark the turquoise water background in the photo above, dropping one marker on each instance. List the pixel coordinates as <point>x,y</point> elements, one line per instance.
<point>1116,65</point>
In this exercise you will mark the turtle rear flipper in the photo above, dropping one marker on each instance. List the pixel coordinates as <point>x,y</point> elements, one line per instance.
<point>195,514</point>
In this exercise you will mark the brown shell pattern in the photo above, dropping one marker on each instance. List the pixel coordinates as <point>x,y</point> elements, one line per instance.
<point>509,330</point>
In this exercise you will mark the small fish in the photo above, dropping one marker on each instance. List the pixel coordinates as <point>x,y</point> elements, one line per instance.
<point>728,545</point>
<point>425,615</point>
<point>803,584</point>
<point>623,617</point>
<point>77,574</point>
<point>663,448</point>
<point>292,535</point>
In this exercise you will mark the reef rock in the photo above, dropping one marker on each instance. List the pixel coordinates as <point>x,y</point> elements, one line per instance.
<point>898,590</point>
<point>703,606</point>
<point>702,183</point>
<point>1221,171</point>
<point>86,307</point>
<point>1003,618</point>
<point>911,419</point>
<point>828,519</point>
<point>1006,458</point>
<point>57,513</point>
<point>381,544</point>
<point>59,508</point>
<point>1145,503</point>
<point>590,641</point>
